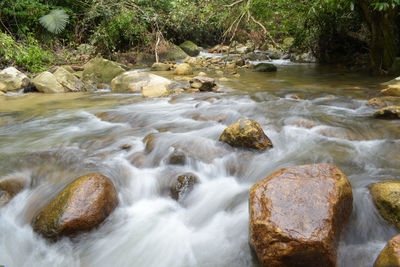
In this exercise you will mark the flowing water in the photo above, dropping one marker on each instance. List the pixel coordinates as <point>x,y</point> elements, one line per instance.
<point>52,139</point>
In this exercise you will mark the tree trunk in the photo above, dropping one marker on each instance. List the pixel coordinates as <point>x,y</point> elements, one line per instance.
<point>384,36</point>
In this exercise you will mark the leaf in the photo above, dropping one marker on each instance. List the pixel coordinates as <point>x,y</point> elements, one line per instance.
<point>352,6</point>
<point>55,21</point>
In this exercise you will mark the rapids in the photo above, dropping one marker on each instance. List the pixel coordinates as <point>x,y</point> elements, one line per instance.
<point>52,139</point>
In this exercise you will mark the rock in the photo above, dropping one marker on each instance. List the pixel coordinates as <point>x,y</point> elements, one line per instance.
<point>202,74</point>
<point>380,102</point>
<point>68,68</point>
<point>202,83</point>
<point>132,81</point>
<point>297,214</point>
<point>392,90</point>
<point>218,49</point>
<point>256,56</point>
<point>47,83</point>
<point>265,67</point>
<point>12,80</point>
<point>10,187</point>
<point>177,158</point>
<point>390,112</point>
<point>68,80</point>
<point>183,69</point>
<point>160,67</point>
<point>307,57</point>
<point>102,86</point>
<point>274,55</point>
<point>150,141</point>
<point>190,48</point>
<point>173,53</point>
<point>100,70</point>
<point>193,90</point>
<point>390,255</point>
<point>155,90</point>
<point>246,133</point>
<point>183,186</point>
<point>386,199</point>
<point>80,206</point>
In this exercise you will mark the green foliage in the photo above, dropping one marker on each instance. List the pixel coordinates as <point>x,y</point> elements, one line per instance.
<point>28,54</point>
<point>55,21</point>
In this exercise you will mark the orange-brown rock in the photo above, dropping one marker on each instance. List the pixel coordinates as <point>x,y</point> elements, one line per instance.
<point>390,112</point>
<point>297,214</point>
<point>246,133</point>
<point>9,188</point>
<point>80,206</point>
<point>390,255</point>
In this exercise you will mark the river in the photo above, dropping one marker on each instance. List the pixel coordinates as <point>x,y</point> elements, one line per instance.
<point>311,113</point>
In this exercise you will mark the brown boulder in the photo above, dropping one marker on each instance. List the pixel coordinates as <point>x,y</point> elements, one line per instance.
<point>9,188</point>
<point>297,214</point>
<point>392,90</point>
<point>202,83</point>
<point>183,186</point>
<point>80,206</point>
<point>390,255</point>
<point>246,133</point>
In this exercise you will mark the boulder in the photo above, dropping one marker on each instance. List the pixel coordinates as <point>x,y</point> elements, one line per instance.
<point>160,67</point>
<point>9,187</point>
<point>183,69</point>
<point>247,134</point>
<point>80,206</point>
<point>380,102</point>
<point>173,53</point>
<point>47,83</point>
<point>390,112</point>
<point>265,67</point>
<point>386,199</point>
<point>132,81</point>
<point>202,83</point>
<point>70,82</point>
<point>297,214</point>
<point>390,255</point>
<point>12,79</point>
<point>100,70</point>
<point>307,57</point>
<point>190,48</point>
<point>183,185</point>
<point>155,90</point>
<point>392,90</point>
<point>218,49</point>
<point>177,157</point>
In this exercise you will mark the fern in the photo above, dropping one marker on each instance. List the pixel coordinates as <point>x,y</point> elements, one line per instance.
<point>55,21</point>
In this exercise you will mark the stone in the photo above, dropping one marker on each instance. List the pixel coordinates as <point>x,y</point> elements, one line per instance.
<point>202,83</point>
<point>386,197</point>
<point>218,49</point>
<point>132,81</point>
<point>392,90</point>
<point>68,80</point>
<point>81,206</point>
<point>10,187</point>
<point>47,83</point>
<point>12,80</point>
<point>100,70</point>
<point>160,67</point>
<point>297,214</point>
<point>183,69</point>
<point>150,141</point>
<point>274,55</point>
<point>184,184</point>
<point>246,133</point>
<point>190,48</point>
<point>306,57</point>
<point>265,67</point>
<point>390,112</point>
<point>193,90</point>
<point>155,90</point>
<point>381,102</point>
<point>177,158</point>
<point>390,255</point>
<point>173,53</point>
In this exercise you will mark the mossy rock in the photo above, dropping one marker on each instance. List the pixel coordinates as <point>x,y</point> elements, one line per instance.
<point>80,206</point>
<point>173,53</point>
<point>265,67</point>
<point>100,70</point>
<point>386,197</point>
<point>190,48</point>
<point>247,134</point>
<point>390,255</point>
<point>390,112</point>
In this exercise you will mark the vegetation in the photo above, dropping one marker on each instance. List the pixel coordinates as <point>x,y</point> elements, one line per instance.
<point>336,31</point>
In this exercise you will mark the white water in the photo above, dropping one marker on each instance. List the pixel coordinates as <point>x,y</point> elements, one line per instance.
<point>210,227</point>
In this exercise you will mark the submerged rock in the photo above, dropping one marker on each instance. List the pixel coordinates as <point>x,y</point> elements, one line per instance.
<point>100,70</point>
<point>390,255</point>
<point>9,188</point>
<point>132,81</point>
<point>12,79</point>
<point>390,112</point>
<point>80,206</point>
<point>160,67</point>
<point>297,214</point>
<point>183,186</point>
<point>202,83</point>
<point>177,157</point>
<point>246,133</point>
<point>265,67</point>
<point>47,83</point>
<point>190,48</point>
<point>386,197</point>
<point>183,69</point>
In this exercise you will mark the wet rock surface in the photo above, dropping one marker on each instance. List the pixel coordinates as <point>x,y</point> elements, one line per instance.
<point>390,255</point>
<point>10,187</point>
<point>297,214</point>
<point>184,184</point>
<point>390,112</point>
